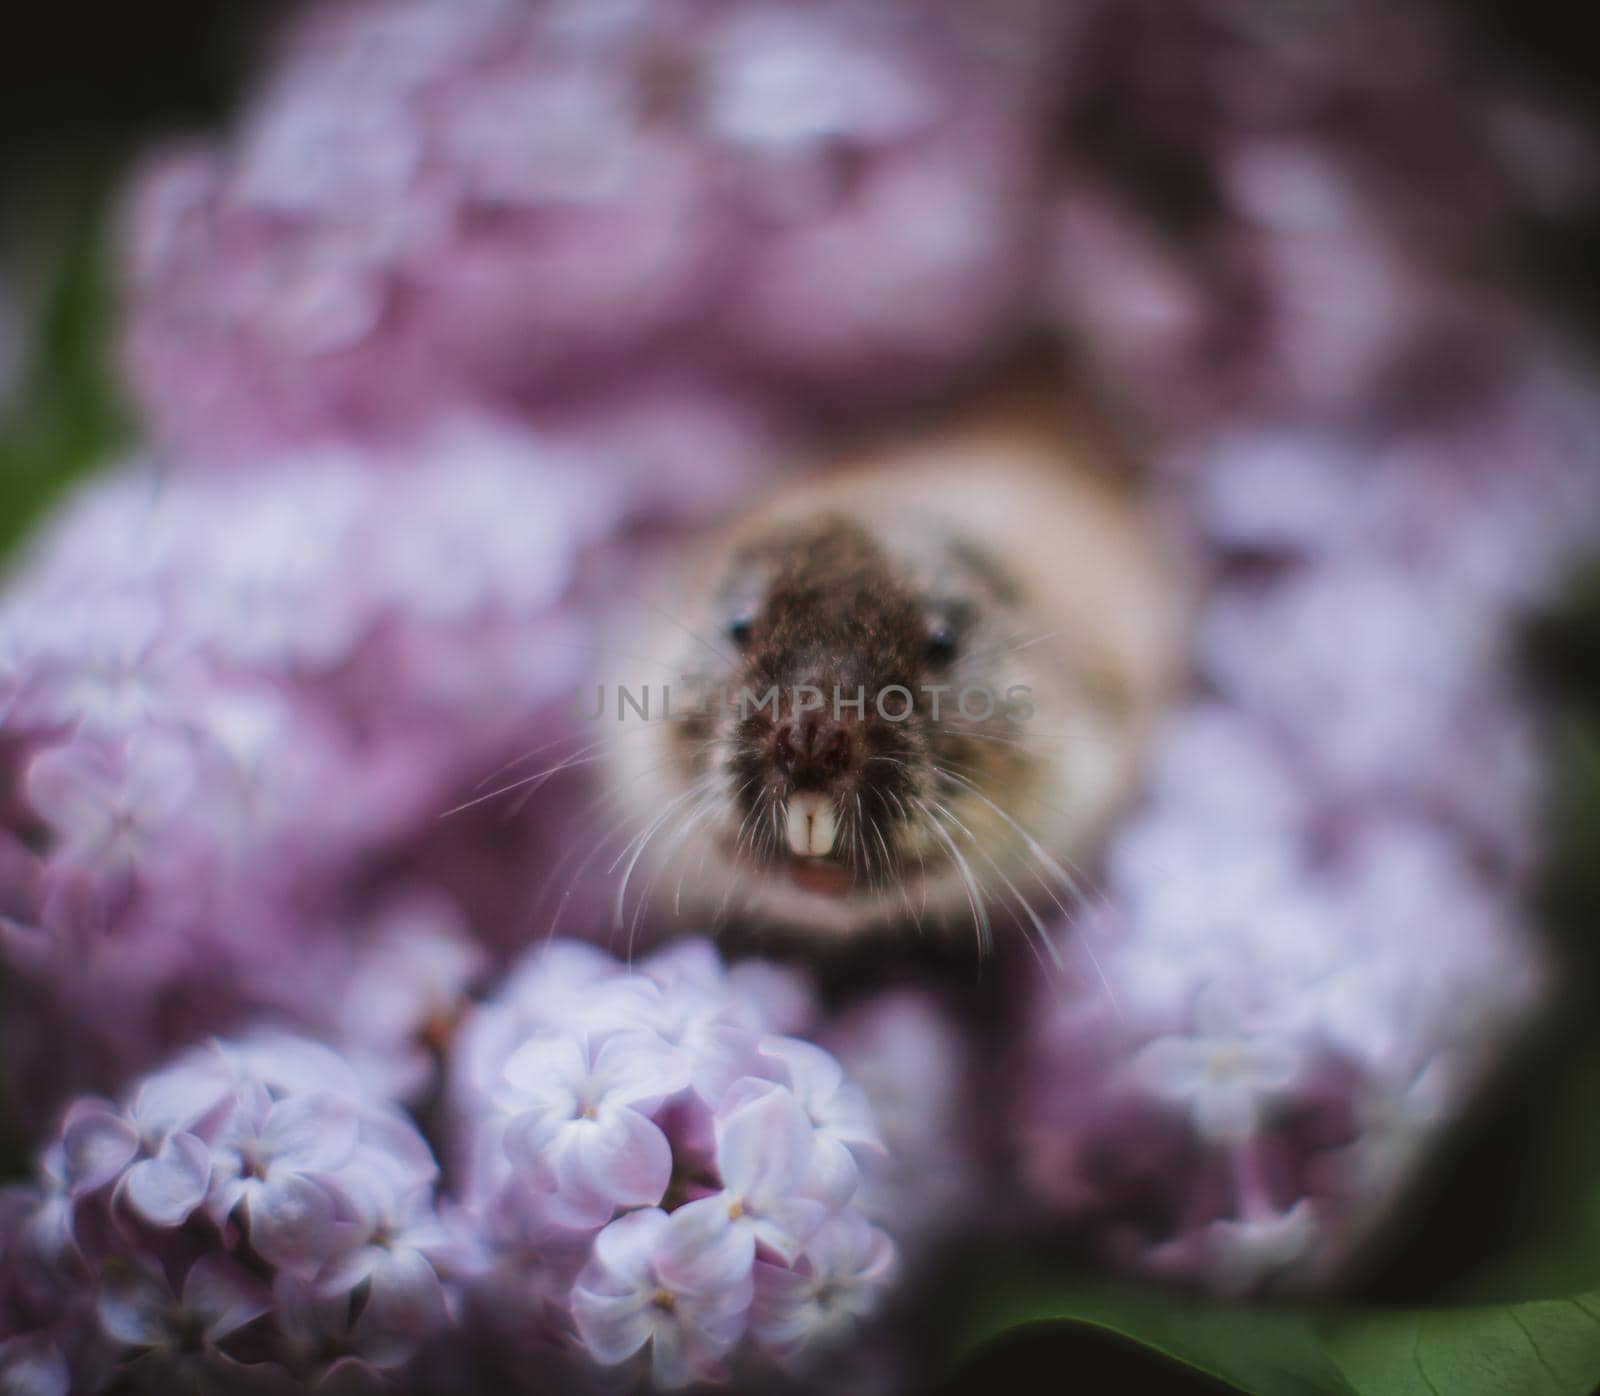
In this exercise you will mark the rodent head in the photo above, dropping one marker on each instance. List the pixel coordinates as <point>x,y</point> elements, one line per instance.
<point>866,718</point>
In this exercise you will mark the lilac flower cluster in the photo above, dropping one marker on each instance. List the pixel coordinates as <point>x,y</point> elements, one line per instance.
<point>1314,942</point>
<point>650,1169</point>
<point>248,1216</point>
<point>655,1165</point>
<point>223,698</point>
<point>426,204</point>
<point>1283,224</point>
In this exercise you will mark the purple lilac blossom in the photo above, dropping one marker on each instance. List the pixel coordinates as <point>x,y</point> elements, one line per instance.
<point>424,204</point>
<point>658,1174</point>
<point>1254,216</point>
<point>918,1065</point>
<point>249,1213</point>
<point>1265,1041</point>
<point>1313,940</point>
<point>228,701</point>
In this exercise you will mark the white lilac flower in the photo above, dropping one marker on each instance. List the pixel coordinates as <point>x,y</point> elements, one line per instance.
<point>543,208</point>
<point>637,1140</point>
<point>768,1164</point>
<point>406,990</point>
<point>840,1113</point>
<point>916,1067</point>
<point>585,1117</point>
<point>217,1298</point>
<point>1222,1073</point>
<point>661,1280</point>
<point>268,1167</point>
<point>846,1268</point>
<point>228,698</point>
<point>248,1203</point>
<point>397,1267</point>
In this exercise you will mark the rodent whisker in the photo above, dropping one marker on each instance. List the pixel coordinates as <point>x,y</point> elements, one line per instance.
<point>617,828</point>
<point>730,660</point>
<point>755,807</point>
<point>696,790</point>
<point>1044,937</point>
<point>888,761</point>
<point>697,813</point>
<point>1035,738</point>
<point>585,755</point>
<point>1030,842</point>
<point>949,768</point>
<point>677,892</point>
<point>974,895</point>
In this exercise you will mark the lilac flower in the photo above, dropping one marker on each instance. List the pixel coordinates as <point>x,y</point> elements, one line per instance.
<point>406,990</point>
<point>1312,942</point>
<point>916,1068</point>
<point>1321,268</point>
<point>217,1298</point>
<point>542,205</point>
<point>839,1113</point>
<point>269,1169</point>
<point>848,1265</point>
<point>248,1203</point>
<point>33,1366</point>
<point>398,1265</point>
<point>587,1118</point>
<point>1220,1074</point>
<point>1312,939</point>
<point>192,664</point>
<point>657,1279</point>
<point>638,1141</point>
<point>767,1160</point>
<point>43,1344</point>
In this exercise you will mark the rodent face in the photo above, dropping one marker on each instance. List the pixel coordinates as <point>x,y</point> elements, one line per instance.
<point>870,718</point>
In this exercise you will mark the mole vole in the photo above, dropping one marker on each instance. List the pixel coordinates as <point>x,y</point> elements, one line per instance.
<point>912,685</point>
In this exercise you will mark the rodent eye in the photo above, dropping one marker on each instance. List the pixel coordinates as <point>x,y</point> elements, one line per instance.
<point>739,629</point>
<point>941,645</point>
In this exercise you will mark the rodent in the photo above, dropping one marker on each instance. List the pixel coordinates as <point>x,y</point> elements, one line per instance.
<point>997,554</point>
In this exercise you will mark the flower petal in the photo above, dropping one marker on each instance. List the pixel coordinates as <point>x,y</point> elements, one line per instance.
<point>639,1069</point>
<point>96,1145</point>
<point>223,1295</point>
<point>702,1250</point>
<point>405,1304</point>
<point>292,1223</point>
<point>134,1309</point>
<point>625,1251</point>
<point>550,1072</point>
<point>621,1156</point>
<point>310,1133</point>
<point>165,1189</point>
<point>764,1146</point>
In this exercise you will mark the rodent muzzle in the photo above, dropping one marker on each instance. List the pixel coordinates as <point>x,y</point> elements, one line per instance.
<point>811,750</point>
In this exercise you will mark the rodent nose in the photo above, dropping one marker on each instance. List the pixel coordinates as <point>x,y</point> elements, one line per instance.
<point>810,749</point>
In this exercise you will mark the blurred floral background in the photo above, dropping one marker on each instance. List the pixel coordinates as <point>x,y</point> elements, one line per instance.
<point>352,356</point>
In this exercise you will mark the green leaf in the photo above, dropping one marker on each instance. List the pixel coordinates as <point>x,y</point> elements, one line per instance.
<point>70,415</point>
<point>1546,1347</point>
<point>1540,1348</point>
